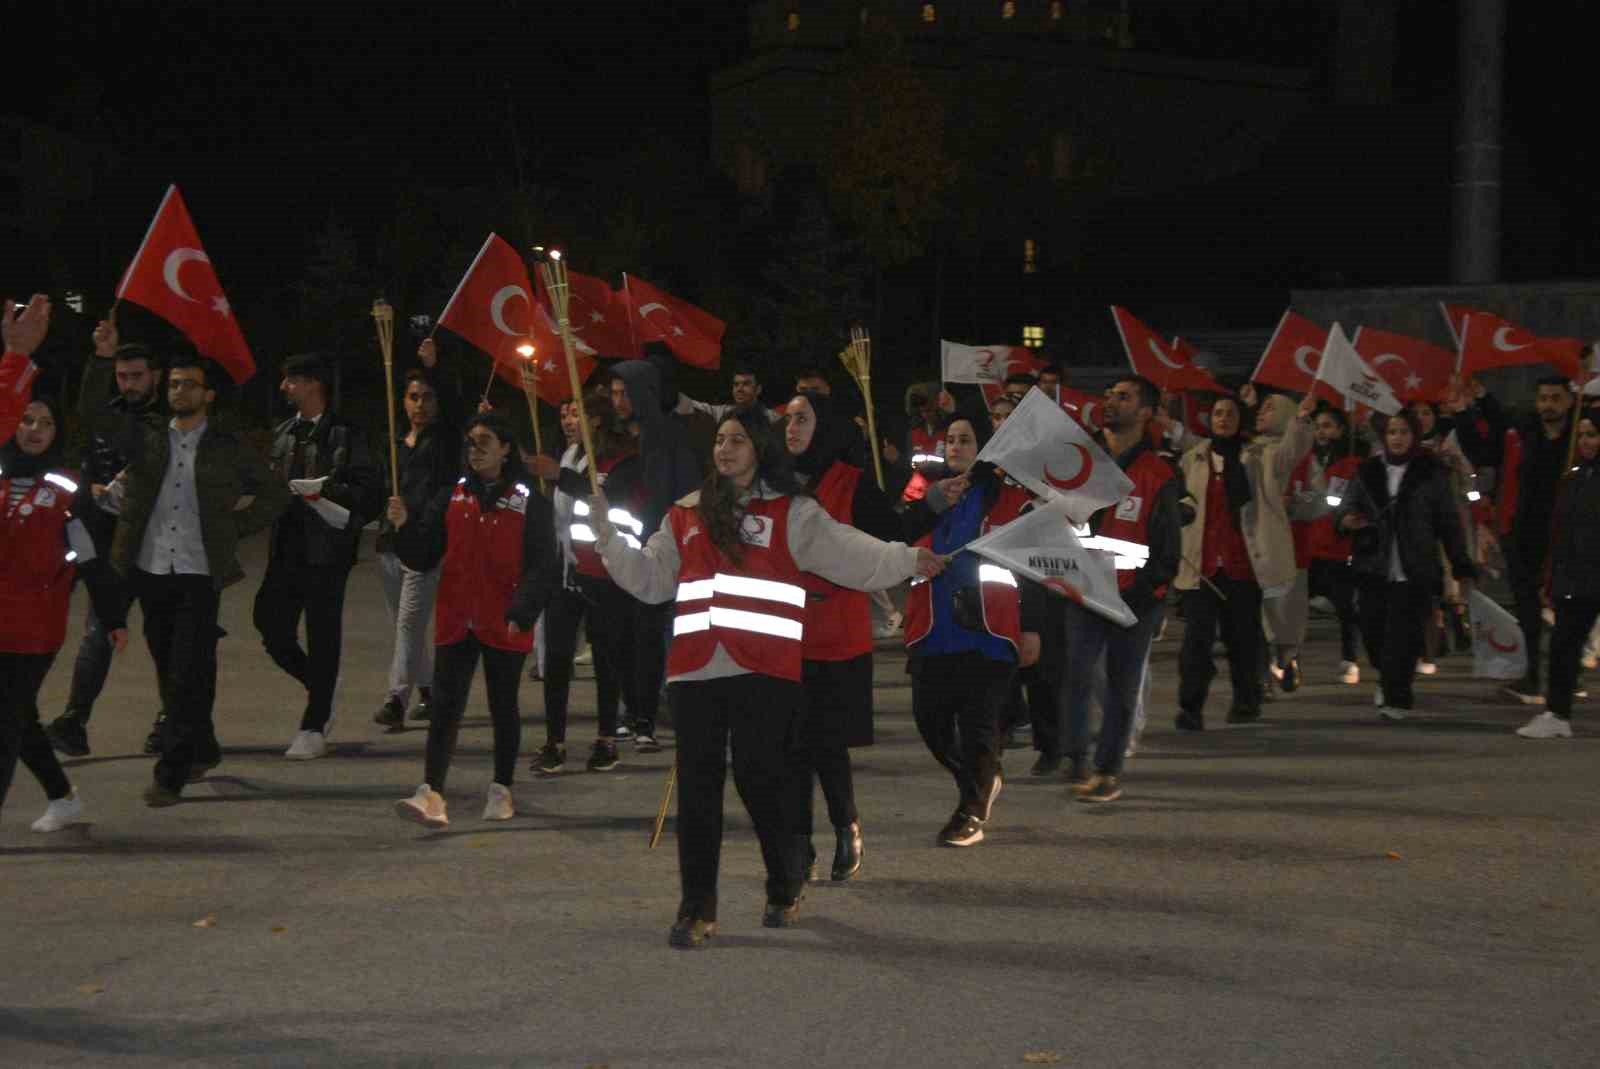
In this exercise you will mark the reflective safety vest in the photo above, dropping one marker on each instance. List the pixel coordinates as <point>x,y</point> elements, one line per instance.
<point>1124,529</point>
<point>753,608</point>
<point>838,619</point>
<point>629,528</point>
<point>927,447</point>
<point>1318,539</point>
<point>37,565</point>
<point>999,599</point>
<point>481,571</point>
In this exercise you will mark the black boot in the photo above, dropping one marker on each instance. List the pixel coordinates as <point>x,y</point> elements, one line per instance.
<point>847,851</point>
<point>69,733</point>
<point>152,741</point>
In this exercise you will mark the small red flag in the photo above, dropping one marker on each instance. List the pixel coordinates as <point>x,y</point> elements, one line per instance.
<point>1487,341</point>
<point>493,308</point>
<point>1414,369</point>
<point>693,334</point>
<point>172,276</point>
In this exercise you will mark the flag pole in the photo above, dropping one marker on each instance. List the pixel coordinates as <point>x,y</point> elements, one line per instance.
<point>383,319</point>
<point>553,272</point>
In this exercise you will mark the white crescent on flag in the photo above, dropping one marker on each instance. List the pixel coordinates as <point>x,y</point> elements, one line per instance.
<point>497,308</point>
<point>176,259</point>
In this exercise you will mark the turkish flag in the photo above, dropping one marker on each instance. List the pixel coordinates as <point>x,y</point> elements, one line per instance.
<point>1193,377</point>
<point>1153,359</point>
<point>1293,355</point>
<point>1487,341</point>
<point>172,276</point>
<point>598,315</point>
<point>693,334</point>
<point>1416,370</point>
<point>493,308</point>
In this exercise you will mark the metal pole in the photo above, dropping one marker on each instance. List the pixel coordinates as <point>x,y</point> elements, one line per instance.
<point>1475,250</point>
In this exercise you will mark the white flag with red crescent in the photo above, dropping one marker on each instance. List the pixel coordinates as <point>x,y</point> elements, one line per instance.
<point>1050,453</point>
<point>1040,544</point>
<point>1498,651</point>
<point>984,364</point>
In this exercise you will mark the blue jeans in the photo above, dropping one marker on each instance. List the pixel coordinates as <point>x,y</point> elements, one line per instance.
<point>1126,651</point>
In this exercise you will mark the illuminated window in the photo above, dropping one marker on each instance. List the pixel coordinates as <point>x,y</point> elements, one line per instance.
<point>1030,256</point>
<point>930,13</point>
<point>1033,337</point>
<point>792,23</point>
<point>1008,10</point>
<point>1055,10</point>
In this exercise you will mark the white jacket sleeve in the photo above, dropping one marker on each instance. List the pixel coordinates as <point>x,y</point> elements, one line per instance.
<point>649,574</point>
<point>843,555</point>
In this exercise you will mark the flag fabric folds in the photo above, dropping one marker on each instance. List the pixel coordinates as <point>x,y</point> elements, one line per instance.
<point>1040,545</point>
<point>172,276</point>
<point>1292,355</point>
<point>1413,368</point>
<point>1343,369</point>
<point>986,365</point>
<point>1050,453</point>
<point>1498,651</point>
<point>1487,341</point>
<point>693,334</point>
<point>1171,367</point>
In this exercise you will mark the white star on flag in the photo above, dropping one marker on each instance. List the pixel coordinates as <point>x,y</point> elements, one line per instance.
<point>549,365</point>
<point>220,305</point>
<point>596,317</point>
<point>1413,380</point>
<point>677,331</point>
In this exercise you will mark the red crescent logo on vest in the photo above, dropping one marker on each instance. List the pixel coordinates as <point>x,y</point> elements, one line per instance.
<point>1064,588</point>
<point>1085,469</point>
<point>1503,649</point>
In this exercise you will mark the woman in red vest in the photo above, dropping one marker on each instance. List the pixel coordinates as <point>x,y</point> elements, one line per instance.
<point>837,649</point>
<point>496,539</point>
<point>1319,485</point>
<point>43,547</point>
<point>732,555</point>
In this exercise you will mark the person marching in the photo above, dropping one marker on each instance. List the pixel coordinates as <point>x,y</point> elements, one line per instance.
<point>43,547</point>
<point>429,452</point>
<point>1573,581</point>
<point>836,656</point>
<point>964,629</point>
<point>1319,484</point>
<point>1145,532</point>
<point>1401,509</point>
<point>493,540</point>
<point>731,555</point>
<point>588,594</point>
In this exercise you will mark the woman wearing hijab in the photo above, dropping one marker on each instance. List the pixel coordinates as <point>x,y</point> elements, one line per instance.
<point>836,653</point>
<point>731,557</point>
<point>1319,485</point>
<point>44,546</point>
<point>1400,511</point>
<point>965,630</point>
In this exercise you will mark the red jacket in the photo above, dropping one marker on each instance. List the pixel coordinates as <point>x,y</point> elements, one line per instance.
<point>754,608</point>
<point>17,373</point>
<point>924,443</point>
<point>1318,539</point>
<point>838,620</point>
<point>482,569</point>
<point>36,564</point>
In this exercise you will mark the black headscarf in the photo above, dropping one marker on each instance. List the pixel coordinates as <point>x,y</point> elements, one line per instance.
<point>15,463</point>
<point>1235,480</point>
<point>830,440</point>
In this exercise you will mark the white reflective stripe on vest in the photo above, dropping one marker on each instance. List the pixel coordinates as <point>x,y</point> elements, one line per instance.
<point>622,518</point>
<point>581,532</point>
<point>993,573</point>
<point>926,458</point>
<point>743,586</point>
<point>738,620</point>
<point>580,507</point>
<point>1120,546</point>
<point>62,481</point>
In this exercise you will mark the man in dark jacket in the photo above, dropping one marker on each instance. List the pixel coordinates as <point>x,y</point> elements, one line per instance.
<point>670,472</point>
<point>105,425</point>
<point>323,459</point>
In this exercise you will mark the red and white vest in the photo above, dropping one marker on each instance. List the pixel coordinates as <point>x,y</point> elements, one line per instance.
<point>629,527</point>
<point>36,564</point>
<point>1124,529</point>
<point>927,447</point>
<point>754,608</point>
<point>997,587</point>
<point>838,619</point>
<point>481,571</point>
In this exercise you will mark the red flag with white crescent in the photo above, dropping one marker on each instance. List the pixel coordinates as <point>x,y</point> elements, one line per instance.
<point>693,334</point>
<point>1487,341</point>
<point>1415,369</point>
<point>1293,355</point>
<point>493,308</point>
<point>598,316</point>
<point>173,277</point>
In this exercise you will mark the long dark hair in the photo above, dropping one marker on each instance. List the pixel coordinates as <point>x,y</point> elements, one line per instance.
<point>720,509</point>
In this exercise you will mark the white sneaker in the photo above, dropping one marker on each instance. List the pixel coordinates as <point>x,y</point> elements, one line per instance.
<point>1546,725</point>
<point>584,658</point>
<point>499,805</point>
<point>307,746</point>
<point>1389,712</point>
<point>65,812</point>
<point>1349,672</point>
<point>426,807</point>
<point>1276,670</point>
<point>1427,668</point>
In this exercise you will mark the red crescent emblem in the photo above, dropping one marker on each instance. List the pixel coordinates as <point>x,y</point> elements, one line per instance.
<point>1513,648</point>
<point>1085,469</point>
<point>1065,589</point>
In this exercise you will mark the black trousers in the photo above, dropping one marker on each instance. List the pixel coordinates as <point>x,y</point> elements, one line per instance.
<point>609,612</point>
<point>1042,685</point>
<point>761,715</point>
<point>1393,616</point>
<point>1334,580</point>
<point>835,692</point>
<point>1526,579</point>
<point>22,737</point>
<point>180,627</point>
<point>651,628</point>
<point>1574,618</point>
<point>289,590</point>
<point>956,699</point>
<point>1239,619</point>
<point>453,668</point>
